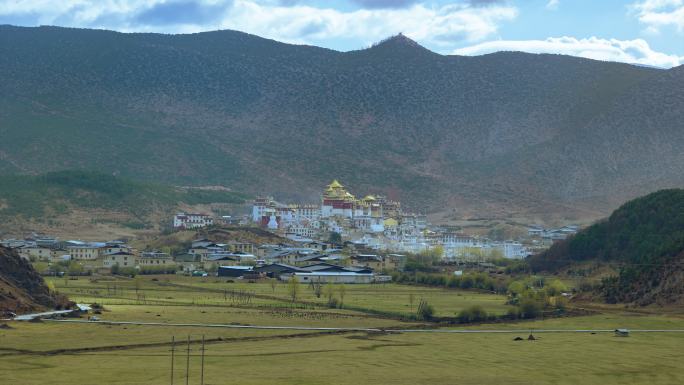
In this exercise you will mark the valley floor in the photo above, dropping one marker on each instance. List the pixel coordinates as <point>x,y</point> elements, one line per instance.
<point>68,353</point>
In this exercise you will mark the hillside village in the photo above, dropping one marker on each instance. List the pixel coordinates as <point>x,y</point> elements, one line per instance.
<point>340,239</point>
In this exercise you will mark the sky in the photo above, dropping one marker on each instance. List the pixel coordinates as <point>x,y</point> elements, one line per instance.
<point>646,32</point>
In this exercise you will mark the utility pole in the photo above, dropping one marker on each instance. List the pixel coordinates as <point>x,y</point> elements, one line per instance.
<point>202,371</point>
<point>173,348</point>
<point>187,364</point>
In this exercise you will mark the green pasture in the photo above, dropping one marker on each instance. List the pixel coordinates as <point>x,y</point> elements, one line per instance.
<point>354,358</point>
<point>70,353</point>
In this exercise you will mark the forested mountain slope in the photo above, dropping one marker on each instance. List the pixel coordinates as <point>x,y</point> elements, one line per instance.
<point>643,240</point>
<point>500,132</point>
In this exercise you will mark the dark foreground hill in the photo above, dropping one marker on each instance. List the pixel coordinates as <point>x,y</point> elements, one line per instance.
<point>503,132</point>
<point>644,238</point>
<point>22,289</point>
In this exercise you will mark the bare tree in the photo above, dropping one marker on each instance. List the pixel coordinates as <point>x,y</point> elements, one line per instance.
<point>342,291</point>
<point>293,288</point>
<point>317,288</point>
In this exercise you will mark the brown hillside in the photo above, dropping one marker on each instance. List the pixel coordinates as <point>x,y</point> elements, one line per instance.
<point>22,289</point>
<point>501,134</point>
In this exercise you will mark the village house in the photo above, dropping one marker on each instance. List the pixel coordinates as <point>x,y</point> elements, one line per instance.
<point>120,258</point>
<point>375,262</point>
<point>35,252</point>
<point>115,247</point>
<point>233,271</point>
<point>399,261</point>
<point>201,242</point>
<point>330,268</point>
<point>192,221</point>
<point>204,250</point>
<point>308,259</point>
<point>59,254</point>
<point>263,250</point>
<point>332,277</point>
<point>275,270</point>
<point>85,250</point>
<point>301,230</point>
<point>318,246</point>
<point>221,259</point>
<point>287,257</point>
<point>240,247</point>
<point>155,258</point>
<point>187,262</point>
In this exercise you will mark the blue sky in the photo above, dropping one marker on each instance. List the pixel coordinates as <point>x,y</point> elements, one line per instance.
<point>649,32</point>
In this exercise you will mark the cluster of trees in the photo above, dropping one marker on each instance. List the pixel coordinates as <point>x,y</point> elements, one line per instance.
<point>475,313</point>
<point>425,261</point>
<point>479,280</point>
<point>73,268</point>
<point>532,295</point>
<point>529,296</point>
<point>124,271</point>
<point>67,268</point>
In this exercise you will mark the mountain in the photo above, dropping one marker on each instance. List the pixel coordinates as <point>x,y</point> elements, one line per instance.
<point>644,238</point>
<point>55,196</point>
<point>22,289</point>
<point>495,134</point>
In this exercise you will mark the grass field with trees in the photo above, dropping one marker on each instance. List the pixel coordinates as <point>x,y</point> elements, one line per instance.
<point>35,353</point>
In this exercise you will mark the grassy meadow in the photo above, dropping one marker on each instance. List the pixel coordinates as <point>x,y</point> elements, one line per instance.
<point>69,353</point>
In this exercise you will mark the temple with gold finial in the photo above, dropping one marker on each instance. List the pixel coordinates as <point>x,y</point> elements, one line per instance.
<point>365,213</point>
<point>338,207</point>
<point>337,201</point>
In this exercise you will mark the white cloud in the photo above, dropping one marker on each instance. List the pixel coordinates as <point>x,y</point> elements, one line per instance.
<point>656,14</point>
<point>635,51</point>
<point>440,27</point>
<point>552,5</point>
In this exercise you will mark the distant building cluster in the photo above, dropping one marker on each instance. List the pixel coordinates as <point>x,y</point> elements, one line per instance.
<point>90,256</point>
<point>339,211</point>
<point>374,222</point>
<point>554,234</point>
<point>308,261</point>
<point>339,239</point>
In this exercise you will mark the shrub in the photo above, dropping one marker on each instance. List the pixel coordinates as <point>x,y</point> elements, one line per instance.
<point>529,308</point>
<point>556,287</point>
<point>467,281</point>
<point>425,310</point>
<point>513,313</point>
<point>473,313</point>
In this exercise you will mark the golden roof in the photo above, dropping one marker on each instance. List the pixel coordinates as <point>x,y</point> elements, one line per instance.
<point>368,198</point>
<point>335,184</point>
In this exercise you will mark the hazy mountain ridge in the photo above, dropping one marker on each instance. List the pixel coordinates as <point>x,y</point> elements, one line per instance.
<point>230,108</point>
